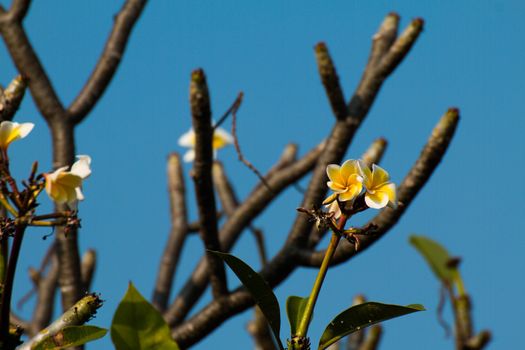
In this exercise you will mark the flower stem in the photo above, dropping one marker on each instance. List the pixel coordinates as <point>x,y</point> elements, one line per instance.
<point>302,330</point>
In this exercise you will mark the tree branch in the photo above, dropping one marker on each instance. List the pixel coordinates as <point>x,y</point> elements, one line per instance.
<point>179,231</point>
<point>108,62</point>
<point>330,80</point>
<point>201,175</point>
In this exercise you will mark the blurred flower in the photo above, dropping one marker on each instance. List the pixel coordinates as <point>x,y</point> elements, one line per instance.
<point>380,191</point>
<point>221,138</point>
<point>11,131</point>
<point>64,186</point>
<point>345,180</point>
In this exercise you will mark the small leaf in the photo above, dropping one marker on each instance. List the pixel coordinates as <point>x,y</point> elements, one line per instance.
<point>70,336</point>
<point>295,309</point>
<point>436,256</point>
<point>360,316</point>
<point>259,289</point>
<point>137,325</point>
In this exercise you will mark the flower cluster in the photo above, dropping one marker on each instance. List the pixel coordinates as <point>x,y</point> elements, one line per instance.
<point>350,179</point>
<point>62,186</point>
<point>221,138</point>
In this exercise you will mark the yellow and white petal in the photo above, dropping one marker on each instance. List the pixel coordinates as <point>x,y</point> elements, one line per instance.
<point>380,175</point>
<point>330,199</point>
<point>6,131</point>
<point>187,139</point>
<point>79,194</point>
<point>366,173</point>
<point>376,200</point>
<point>334,174</point>
<point>349,168</point>
<point>68,180</point>
<point>81,167</point>
<point>24,129</point>
<point>390,190</point>
<point>189,156</point>
<point>52,177</point>
<point>221,138</point>
<point>334,208</point>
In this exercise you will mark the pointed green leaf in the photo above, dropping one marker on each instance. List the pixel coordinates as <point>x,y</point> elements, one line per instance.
<point>137,325</point>
<point>360,316</point>
<point>436,256</point>
<point>70,336</point>
<point>295,309</point>
<point>259,289</point>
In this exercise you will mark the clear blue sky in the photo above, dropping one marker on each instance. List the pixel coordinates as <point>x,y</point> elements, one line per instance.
<point>469,56</point>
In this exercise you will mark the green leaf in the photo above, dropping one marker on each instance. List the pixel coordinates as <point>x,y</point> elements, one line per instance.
<point>436,256</point>
<point>360,316</point>
<point>259,289</point>
<point>295,309</point>
<point>137,325</point>
<point>70,336</point>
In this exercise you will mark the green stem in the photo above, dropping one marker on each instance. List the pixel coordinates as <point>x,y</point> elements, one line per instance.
<point>302,330</point>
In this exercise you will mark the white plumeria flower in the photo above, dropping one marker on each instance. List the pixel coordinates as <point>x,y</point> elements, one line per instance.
<point>65,186</point>
<point>221,138</point>
<point>380,191</point>
<point>11,131</point>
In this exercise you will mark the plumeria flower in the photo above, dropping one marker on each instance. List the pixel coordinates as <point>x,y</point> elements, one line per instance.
<point>221,138</point>
<point>380,191</point>
<point>64,186</point>
<point>11,131</point>
<point>345,180</point>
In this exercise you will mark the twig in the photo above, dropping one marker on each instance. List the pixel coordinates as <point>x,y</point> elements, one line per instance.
<point>108,62</point>
<point>202,178</point>
<point>178,233</point>
<point>78,314</point>
<point>238,147</point>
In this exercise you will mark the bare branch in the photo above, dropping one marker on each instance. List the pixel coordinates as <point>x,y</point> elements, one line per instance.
<point>330,80</point>
<point>255,203</point>
<point>201,174</point>
<point>44,306</point>
<point>11,98</point>
<point>29,65</point>
<point>383,39</point>
<point>108,62</point>
<point>355,339</point>
<point>372,339</point>
<point>87,268</point>
<point>18,10</point>
<point>260,332</point>
<point>178,233</point>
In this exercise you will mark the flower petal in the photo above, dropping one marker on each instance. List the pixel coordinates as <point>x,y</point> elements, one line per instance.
<point>221,138</point>
<point>376,200</point>
<point>69,180</point>
<point>349,168</point>
<point>334,208</point>
<point>390,190</point>
<point>366,173</point>
<point>187,139</point>
<point>79,194</point>
<point>189,156</point>
<point>334,174</point>
<point>24,129</point>
<point>380,175</point>
<point>81,166</point>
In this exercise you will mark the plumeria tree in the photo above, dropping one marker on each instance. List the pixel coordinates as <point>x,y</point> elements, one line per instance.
<point>356,185</point>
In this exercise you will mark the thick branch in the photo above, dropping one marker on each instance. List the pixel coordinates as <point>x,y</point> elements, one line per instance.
<point>46,288</point>
<point>330,80</point>
<point>202,168</point>
<point>179,231</point>
<point>108,62</point>
<point>29,65</point>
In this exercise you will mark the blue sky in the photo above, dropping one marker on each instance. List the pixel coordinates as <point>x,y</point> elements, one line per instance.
<point>470,56</point>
